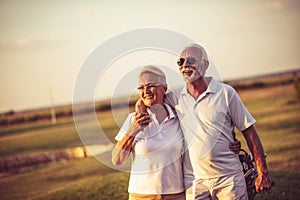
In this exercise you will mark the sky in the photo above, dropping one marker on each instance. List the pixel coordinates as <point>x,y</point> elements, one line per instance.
<point>44,44</point>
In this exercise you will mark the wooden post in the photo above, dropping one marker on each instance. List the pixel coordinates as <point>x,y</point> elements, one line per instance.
<point>52,108</point>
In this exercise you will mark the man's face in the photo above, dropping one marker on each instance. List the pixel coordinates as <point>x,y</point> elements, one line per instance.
<point>192,65</point>
<point>151,91</point>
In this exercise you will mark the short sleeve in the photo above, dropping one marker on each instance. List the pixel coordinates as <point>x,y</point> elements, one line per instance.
<point>125,127</point>
<point>240,116</point>
<point>171,98</point>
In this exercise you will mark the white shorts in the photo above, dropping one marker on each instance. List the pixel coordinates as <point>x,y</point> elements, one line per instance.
<point>177,196</point>
<point>225,188</point>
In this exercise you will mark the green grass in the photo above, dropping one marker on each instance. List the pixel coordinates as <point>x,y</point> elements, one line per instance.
<point>45,137</point>
<point>107,187</point>
<point>39,139</point>
<point>286,187</point>
<point>16,129</point>
<point>54,177</point>
<point>278,125</point>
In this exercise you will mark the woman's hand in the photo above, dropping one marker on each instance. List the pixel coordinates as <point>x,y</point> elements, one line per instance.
<point>235,146</point>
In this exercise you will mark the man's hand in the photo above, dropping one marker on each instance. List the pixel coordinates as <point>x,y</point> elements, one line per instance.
<point>263,183</point>
<point>140,107</point>
<point>141,117</point>
<point>141,120</point>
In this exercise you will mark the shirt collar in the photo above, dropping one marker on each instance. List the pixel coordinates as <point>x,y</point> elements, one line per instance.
<point>211,86</point>
<point>169,109</point>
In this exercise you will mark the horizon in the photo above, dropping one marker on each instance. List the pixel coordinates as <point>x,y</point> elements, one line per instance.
<point>109,98</point>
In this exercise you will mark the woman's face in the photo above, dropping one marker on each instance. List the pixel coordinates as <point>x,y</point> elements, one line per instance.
<point>151,91</point>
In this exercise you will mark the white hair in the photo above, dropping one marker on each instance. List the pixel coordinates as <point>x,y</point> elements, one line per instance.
<point>201,48</point>
<point>155,71</point>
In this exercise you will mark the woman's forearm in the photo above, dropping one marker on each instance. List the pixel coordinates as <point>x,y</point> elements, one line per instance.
<point>122,150</point>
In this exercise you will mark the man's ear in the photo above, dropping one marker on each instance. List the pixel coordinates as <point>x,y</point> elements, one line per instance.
<point>206,64</point>
<point>166,88</point>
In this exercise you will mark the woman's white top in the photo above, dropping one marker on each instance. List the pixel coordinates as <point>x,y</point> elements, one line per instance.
<point>157,156</point>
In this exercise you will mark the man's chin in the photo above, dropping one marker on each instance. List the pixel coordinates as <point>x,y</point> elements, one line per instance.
<point>191,79</point>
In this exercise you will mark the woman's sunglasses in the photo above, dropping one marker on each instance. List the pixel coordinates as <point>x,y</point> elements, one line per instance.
<point>190,60</point>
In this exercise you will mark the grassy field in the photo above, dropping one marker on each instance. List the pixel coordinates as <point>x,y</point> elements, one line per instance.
<point>278,122</point>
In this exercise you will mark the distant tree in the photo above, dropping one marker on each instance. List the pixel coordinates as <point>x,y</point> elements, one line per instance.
<point>296,86</point>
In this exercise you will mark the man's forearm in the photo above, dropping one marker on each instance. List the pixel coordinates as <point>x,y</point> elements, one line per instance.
<point>256,148</point>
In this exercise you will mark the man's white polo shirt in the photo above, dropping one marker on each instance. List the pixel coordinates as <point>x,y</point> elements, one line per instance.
<point>157,156</point>
<point>207,125</point>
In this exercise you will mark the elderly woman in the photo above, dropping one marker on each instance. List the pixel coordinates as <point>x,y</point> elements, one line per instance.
<point>155,140</point>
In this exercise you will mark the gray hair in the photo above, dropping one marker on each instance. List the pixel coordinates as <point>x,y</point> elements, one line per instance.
<point>155,71</point>
<point>201,48</point>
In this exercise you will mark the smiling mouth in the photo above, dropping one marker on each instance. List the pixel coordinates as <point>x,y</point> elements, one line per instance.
<point>187,72</point>
<point>148,97</point>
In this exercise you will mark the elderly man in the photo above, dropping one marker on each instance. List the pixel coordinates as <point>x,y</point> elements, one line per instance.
<point>208,112</point>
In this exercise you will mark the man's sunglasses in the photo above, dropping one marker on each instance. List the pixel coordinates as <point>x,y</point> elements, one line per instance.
<point>190,60</point>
